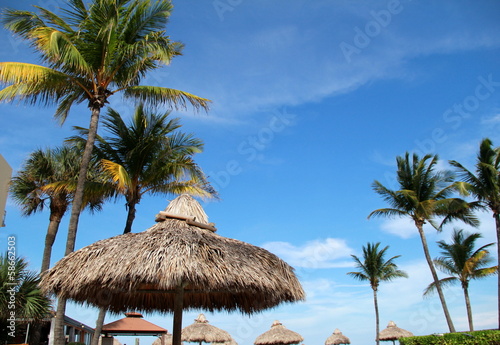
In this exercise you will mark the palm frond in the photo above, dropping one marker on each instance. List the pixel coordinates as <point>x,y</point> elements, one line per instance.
<point>161,95</point>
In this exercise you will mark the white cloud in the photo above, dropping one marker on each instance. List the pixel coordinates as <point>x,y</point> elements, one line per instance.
<point>401,227</point>
<point>313,254</point>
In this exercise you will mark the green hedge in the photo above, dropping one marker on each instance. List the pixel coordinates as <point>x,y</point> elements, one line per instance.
<point>467,338</point>
<point>76,343</point>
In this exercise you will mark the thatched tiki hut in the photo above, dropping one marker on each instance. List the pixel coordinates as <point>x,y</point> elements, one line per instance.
<point>180,262</point>
<point>165,339</point>
<point>337,338</point>
<point>201,332</point>
<point>278,335</point>
<point>393,332</point>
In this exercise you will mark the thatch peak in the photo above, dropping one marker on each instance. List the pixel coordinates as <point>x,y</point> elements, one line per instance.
<point>276,323</point>
<point>337,331</point>
<point>201,319</point>
<point>391,324</point>
<point>185,205</point>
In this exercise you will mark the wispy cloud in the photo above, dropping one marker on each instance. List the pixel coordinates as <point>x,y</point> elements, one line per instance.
<point>328,253</point>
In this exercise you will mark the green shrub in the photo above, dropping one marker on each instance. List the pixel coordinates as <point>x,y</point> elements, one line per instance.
<point>491,337</point>
<point>75,343</point>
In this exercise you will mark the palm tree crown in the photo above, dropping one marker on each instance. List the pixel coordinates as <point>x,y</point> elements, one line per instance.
<point>463,263</point>
<point>374,268</point>
<point>48,179</point>
<point>148,156</point>
<point>91,53</point>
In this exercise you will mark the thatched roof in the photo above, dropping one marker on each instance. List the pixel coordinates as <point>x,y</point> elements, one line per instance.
<point>141,271</point>
<point>132,324</point>
<point>167,340</point>
<point>337,338</point>
<point>278,334</point>
<point>392,332</point>
<point>201,331</point>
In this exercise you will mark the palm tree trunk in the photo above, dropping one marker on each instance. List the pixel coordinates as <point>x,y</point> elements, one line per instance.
<point>75,216</point>
<point>469,309</point>
<point>130,216</point>
<point>98,326</point>
<point>377,321</point>
<point>497,224</point>
<point>50,237</point>
<point>435,277</point>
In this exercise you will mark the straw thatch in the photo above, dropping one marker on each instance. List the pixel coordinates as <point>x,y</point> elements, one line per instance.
<point>167,340</point>
<point>278,335</point>
<point>393,332</point>
<point>337,338</point>
<point>200,331</point>
<point>142,270</point>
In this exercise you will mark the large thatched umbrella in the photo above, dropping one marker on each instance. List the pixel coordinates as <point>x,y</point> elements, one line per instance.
<point>180,262</point>
<point>278,335</point>
<point>337,338</point>
<point>393,332</point>
<point>201,332</point>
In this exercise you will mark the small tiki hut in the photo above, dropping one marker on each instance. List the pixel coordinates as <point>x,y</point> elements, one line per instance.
<point>201,332</point>
<point>278,335</point>
<point>180,262</point>
<point>337,338</point>
<point>393,332</point>
<point>165,339</point>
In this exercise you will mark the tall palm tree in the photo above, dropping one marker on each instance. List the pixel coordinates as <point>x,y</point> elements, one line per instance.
<point>375,269</point>
<point>91,52</point>
<point>32,188</point>
<point>460,260</point>
<point>484,184</point>
<point>424,194</point>
<point>148,156</point>
<point>28,301</point>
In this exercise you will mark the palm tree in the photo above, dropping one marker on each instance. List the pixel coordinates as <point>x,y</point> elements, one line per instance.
<point>148,156</point>
<point>484,184</point>
<point>92,52</point>
<point>463,263</point>
<point>28,302</point>
<point>424,194</point>
<point>32,189</point>
<point>375,269</point>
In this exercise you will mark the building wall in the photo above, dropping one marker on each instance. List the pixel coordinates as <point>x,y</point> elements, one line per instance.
<point>5,175</point>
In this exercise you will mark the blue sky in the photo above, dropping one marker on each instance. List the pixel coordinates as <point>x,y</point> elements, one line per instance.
<point>312,101</point>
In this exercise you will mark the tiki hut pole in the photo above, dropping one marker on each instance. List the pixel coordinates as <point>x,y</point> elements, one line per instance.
<point>178,307</point>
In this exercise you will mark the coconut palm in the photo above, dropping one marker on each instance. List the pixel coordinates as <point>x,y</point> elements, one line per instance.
<point>424,194</point>
<point>374,268</point>
<point>460,260</point>
<point>91,52</point>
<point>148,156</point>
<point>21,284</point>
<point>484,184</point>
<point>32,188</point>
